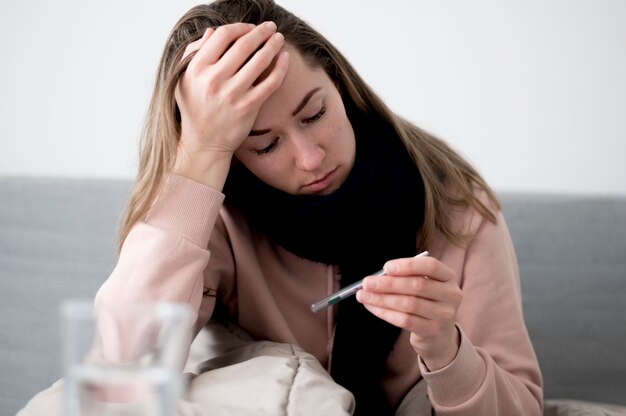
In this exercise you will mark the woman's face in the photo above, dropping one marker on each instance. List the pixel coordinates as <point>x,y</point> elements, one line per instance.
<point>302,141</point>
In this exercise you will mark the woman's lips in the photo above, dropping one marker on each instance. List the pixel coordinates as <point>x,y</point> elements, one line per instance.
<point>322,183</point>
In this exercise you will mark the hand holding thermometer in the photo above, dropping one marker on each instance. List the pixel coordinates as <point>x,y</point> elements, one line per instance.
<point>347,291</point>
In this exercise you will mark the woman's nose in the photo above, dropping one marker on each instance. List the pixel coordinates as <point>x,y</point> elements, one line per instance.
<point>308,153</point>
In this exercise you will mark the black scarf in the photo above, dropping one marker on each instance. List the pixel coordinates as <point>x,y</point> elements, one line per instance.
<point>373,217</point>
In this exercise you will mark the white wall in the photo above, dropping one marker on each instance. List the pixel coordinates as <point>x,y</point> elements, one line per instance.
<point>532,92</point>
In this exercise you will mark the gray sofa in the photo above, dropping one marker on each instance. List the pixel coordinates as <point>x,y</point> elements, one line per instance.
<point>57,240</point>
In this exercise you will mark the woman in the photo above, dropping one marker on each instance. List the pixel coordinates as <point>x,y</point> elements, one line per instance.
<point>271,175</point>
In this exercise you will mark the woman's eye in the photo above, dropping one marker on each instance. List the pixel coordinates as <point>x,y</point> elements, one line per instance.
<point>315,117</point>
<point>268,148</point>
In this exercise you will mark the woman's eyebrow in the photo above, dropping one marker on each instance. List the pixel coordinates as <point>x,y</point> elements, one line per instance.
<point>299,108</point>
<point>305,100</point>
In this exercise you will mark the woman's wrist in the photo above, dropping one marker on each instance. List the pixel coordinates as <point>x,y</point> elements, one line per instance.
<point>209,168</point>
<point>444,355</point>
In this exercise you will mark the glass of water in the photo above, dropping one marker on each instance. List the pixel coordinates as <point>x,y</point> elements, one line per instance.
<point>123,359</point>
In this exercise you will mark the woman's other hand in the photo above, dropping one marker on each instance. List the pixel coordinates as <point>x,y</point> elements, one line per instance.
<point>422,296</point>
<point>235,68</point>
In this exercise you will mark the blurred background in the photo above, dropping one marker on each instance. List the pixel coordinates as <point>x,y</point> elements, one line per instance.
<point>532,92</point>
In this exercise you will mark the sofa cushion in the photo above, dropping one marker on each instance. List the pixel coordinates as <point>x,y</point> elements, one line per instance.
<point>572,256</point>
<point>57,241</point>
<point>581,408</point>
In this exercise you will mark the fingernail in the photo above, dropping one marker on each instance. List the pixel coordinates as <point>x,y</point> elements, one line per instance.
<point>370,283</point>
<point>271,25</point>
<point>390,268</point>
<point>279,37</point>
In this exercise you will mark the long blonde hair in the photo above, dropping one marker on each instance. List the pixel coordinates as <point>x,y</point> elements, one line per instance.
<point>449,181</point>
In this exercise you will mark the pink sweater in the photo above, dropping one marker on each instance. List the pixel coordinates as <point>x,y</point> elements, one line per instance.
<point>191,249</point>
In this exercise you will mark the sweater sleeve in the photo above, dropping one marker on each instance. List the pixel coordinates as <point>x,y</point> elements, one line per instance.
<point>496,371</point>
<point>163,258</point>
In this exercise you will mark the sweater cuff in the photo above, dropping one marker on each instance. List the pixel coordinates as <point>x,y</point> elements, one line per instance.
<point>458,381</point>
<point>186,208</point>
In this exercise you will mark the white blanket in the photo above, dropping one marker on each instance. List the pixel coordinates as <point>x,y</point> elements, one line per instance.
<point>229,374</point>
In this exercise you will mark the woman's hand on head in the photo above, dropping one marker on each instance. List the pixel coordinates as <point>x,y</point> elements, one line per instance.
<point>222,90</point>
<point>422,296</point>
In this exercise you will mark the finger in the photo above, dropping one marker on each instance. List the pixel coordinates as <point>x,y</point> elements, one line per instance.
<point>262,63</point>
<point>407,285</point>
<point>248,46</point>
<point>410,314</point>
<point>401,303</point>
<point>420,266</point>
<point>409,322</point>
<point>219,42</point>
<point>190,49</point>
<point>197,44</point>
<point>262,91</point>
